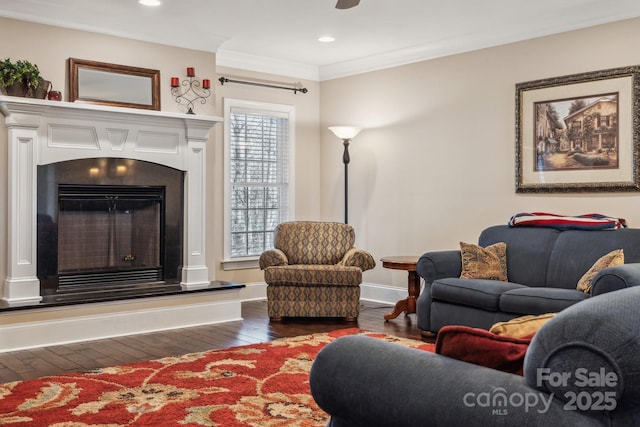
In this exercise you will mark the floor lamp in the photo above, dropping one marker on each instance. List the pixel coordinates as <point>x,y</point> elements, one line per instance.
<point>346,134</point>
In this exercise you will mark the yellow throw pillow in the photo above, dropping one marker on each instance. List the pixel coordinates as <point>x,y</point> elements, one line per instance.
<point>521,327</point>
<point>609,260</point>
<point>484,263</point>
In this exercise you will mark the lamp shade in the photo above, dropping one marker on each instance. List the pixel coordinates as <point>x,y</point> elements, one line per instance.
<point>345,132</point>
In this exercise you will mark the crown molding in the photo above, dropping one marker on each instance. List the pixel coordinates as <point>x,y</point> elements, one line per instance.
<point>380,62</point>
<point>243,61</point>
<point>436,49</point>
<point>263,64</point>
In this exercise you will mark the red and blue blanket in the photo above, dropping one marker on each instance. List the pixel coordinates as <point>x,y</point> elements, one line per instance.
<point>561,222</point>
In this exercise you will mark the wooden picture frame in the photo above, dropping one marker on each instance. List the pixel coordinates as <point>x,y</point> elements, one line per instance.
<point>102,83</point>
<point>579,133</point>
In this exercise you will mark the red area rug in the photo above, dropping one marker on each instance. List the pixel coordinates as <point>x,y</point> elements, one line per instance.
<point>255,385</point>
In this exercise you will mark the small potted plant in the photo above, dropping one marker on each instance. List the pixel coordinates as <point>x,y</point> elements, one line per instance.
<point>16,78</point>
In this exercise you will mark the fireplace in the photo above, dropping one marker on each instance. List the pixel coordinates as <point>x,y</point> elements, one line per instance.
<point>106,224</point>
<point>83,157</point>
<point>131,183</point>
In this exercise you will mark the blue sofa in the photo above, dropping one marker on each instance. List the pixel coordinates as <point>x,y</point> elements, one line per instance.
<point>544,266</point>
<point>582,368</point>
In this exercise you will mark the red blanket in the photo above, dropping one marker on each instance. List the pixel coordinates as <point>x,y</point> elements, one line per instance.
<point>561,222</point>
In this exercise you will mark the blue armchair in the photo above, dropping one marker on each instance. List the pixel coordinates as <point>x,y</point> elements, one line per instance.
<point>582,368</point>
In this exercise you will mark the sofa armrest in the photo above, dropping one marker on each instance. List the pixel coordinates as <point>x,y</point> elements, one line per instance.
<point>616,278</point>
<point>272,257</point>
<point>439,264</point>
<point>358,258</point>
<point>363,381</point>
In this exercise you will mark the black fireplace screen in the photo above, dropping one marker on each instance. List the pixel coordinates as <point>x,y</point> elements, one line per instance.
<point>109,234</point>
<point>108,222</point>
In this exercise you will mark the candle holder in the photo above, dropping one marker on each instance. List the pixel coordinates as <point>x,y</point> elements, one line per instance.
<point>190,90</point>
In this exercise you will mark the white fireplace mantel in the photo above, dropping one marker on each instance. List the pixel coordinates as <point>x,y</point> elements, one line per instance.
<point>42,132</point>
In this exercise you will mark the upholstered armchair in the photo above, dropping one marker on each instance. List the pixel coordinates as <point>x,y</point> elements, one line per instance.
<point>314,271</point>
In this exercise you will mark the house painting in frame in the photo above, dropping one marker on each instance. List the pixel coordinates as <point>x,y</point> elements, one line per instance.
<point>579,133</point>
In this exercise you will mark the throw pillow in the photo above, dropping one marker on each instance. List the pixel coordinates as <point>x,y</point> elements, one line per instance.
<point>481,347</point>
<point>484,263</point>
<point>609,260</point>
<point>521,326</point>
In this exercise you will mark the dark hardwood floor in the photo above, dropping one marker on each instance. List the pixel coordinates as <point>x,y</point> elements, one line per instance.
<point>254,328</point>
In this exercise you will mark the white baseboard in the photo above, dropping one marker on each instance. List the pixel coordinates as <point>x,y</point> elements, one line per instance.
<point>24,329</point>
<point>383,294</point>
<point>254,291</point>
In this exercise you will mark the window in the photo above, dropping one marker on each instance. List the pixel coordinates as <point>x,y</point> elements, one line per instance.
<point>258,189</point>
<point>603,121</point>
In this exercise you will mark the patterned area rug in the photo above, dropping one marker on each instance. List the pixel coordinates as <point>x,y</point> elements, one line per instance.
<point>255,385</point>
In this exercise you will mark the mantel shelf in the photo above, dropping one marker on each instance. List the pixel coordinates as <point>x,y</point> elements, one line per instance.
<point>14,104</point>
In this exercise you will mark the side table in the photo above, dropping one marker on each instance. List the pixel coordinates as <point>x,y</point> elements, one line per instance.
<point>407,263</point>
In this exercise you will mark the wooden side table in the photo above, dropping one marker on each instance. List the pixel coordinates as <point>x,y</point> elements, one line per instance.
<point>407,263</point>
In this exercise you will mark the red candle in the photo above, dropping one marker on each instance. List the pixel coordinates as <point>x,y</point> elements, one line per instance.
<point>191,72</point>
<point>174,82</point>
<point>206,83</point>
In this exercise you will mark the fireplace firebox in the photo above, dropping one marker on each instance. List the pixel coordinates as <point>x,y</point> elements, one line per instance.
<point>109,234</point>
<point>108,223</point>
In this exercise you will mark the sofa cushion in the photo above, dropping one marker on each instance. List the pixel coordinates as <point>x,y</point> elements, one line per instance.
<point>311,242</point>
<point>484,263</point>
<point>539,300</point>
<point>583,248</point>
<point>521,326</point>
<point>480,293</point>
<point>611,259</point>
<point>528,251</point>
<point>302,274</point>
<point>483,348</point>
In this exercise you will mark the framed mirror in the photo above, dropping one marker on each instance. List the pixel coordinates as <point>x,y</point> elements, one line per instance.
<point>111,84</point>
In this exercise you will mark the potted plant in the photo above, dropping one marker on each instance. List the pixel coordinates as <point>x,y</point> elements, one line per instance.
<point>16,78</point>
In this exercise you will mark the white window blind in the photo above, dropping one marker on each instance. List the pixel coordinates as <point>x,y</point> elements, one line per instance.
<point>258,181</point>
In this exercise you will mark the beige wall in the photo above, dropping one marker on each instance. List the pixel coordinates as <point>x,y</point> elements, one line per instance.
<point>50,47</point>
<point>435,163</point>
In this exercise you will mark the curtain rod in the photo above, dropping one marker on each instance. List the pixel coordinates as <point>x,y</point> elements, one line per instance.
<point>295,90</point>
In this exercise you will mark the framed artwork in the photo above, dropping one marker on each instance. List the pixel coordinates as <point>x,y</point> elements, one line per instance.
<point>579,133</point>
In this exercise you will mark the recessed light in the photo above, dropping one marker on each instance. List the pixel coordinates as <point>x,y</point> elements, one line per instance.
<point>326,39</point>
<point>150,2</point>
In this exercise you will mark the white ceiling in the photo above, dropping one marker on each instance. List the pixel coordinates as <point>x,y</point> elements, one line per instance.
<point>280,36</point>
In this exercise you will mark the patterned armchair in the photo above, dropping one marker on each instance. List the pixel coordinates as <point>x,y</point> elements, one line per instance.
<point>314,271</point>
